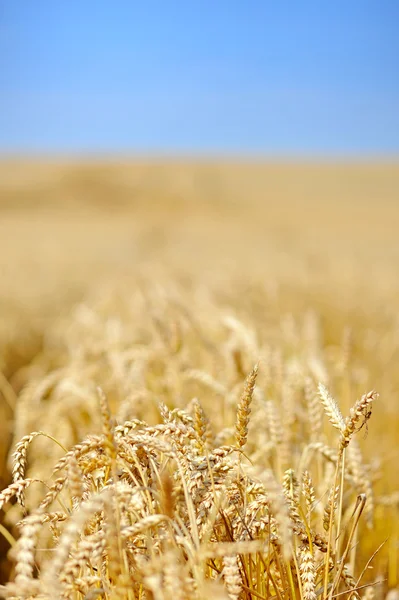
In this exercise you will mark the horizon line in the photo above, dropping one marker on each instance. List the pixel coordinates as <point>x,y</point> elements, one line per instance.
<point>199,156</point>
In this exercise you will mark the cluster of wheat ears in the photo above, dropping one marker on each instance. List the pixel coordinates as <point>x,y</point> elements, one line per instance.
<point>153,479</point>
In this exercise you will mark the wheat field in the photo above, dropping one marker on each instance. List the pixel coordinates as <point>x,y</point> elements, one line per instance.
<point>199,392</point>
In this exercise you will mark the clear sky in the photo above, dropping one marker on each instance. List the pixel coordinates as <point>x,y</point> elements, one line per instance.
<point>268,77</point>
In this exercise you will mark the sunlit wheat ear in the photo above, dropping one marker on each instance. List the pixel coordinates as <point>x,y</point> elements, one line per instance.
<point>88,550</point>
<point>331,407</point>
<point>53,493</point>
<point>93,443</point>
<point>201,425</point>
<point>308,574</point>
<point>330,508</point>
<point>14,489</point>
<point>244,408</point>
<point>75,481</point>
<point>361,411</point>
<point>232,577</point>
<point>69,536</point>
<point>22,591</point>
<point>113,535</point>
<point>291,492</point>
<point>108,429</point>
<point>19,462</point>
<point>25,551</point>
<point>308,491</point>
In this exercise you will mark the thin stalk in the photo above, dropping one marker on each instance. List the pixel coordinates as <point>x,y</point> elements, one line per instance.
<point>365,569</point>
<point>7,535</point>
<point>361,501</point>
<point>328,554</point>
<point>291,580</point>
<point>340,505</point>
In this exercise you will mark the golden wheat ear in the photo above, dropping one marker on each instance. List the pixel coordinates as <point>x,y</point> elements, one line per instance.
<point>244,408</point>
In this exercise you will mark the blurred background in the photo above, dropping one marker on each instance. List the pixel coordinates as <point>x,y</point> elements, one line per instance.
<point>226,146</point>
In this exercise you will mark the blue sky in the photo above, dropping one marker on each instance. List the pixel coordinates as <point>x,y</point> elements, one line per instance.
<point>200,76</point>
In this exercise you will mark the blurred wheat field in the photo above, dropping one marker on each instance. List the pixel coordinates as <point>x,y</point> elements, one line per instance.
<point>166,282</point>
